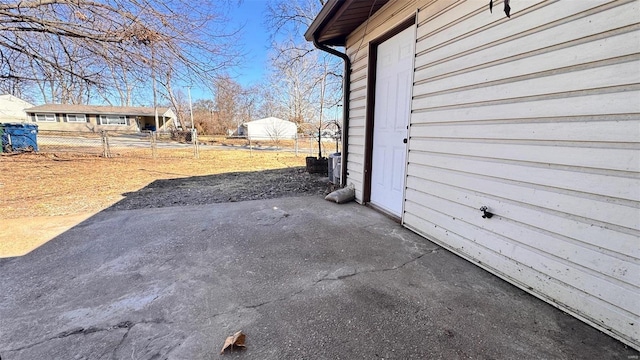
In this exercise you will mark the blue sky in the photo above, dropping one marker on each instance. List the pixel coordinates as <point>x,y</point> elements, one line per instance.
<point>251,15</point>
<point>255,43</point>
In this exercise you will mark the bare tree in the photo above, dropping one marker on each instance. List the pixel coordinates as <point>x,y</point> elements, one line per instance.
<point>312,79</point>
<point>122,82</point>
<point>88,42</point>
<point>291,17</point>
<point>248,104</point>
<point>9,62</point>
<point>205,117</point>
<point>269,105</point>
<point>228,94</point>
<point>309,85</point>
<point>58,85</point>
<point>180,103</point>
<point>294,77</point>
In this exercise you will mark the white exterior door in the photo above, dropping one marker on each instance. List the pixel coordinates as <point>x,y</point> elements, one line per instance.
<point>394,74</point>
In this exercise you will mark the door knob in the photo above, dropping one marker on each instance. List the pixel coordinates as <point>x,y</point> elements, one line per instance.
<point>404,140</point>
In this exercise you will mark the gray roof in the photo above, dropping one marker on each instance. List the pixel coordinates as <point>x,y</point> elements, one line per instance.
<point>96,109</point>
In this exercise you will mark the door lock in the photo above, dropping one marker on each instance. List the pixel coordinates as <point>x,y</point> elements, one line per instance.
<point>404,140</point>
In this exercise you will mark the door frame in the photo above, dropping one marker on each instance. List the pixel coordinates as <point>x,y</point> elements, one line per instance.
<point>370,106</point>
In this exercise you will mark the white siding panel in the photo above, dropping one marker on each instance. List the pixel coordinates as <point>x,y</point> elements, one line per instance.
<point>357,112</point>
<point>442,29</point>
<point>360,73</point>
<point>443,62</point>
<point>625,102</point>
<point>355,164</point>
<point>589,183</point>
<point>357,158</point>
<point>624,130</point>
<point>358,83</point>
<point>538,118</point>
<point>354,172</point>
<point>355,178</point>
<point>619,46</point>
<point>357,122</point>
<point>587,157</point>
<point>436,9</point>
<point>358,94</point>
<point>357,104</point>
<point>356,131</point>
<point>597,211</point>
<point>358,149</point>
<point>549,13</point>
<point>593,78</point>
<point>356,140</point>
<point>389,16</point>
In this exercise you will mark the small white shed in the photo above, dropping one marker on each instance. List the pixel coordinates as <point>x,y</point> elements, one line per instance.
<point>270,128</point>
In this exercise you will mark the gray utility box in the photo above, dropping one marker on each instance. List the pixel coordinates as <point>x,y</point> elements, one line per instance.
<point>335,167</point>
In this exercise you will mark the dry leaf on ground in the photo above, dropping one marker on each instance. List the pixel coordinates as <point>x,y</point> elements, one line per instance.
<point>233,341</point>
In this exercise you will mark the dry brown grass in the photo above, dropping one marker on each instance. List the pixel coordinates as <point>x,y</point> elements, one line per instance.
<point>230,141</point>
<point>50,185</point>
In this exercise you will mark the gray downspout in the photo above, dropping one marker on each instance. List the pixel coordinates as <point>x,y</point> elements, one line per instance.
<point>346,89</point>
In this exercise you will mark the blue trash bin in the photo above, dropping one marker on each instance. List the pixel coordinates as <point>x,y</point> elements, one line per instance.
<point>20,137</point>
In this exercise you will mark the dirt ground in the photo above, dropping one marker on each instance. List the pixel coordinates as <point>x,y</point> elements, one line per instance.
<point>36,185</point>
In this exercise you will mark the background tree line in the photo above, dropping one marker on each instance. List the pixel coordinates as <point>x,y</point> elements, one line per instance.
<point>143,52</point>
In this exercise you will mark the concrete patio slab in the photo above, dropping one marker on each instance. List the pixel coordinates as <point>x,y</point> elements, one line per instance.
<point>301,277</point>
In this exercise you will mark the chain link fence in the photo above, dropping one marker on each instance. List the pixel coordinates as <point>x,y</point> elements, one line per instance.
<point>117,144</point>
<point>178,144</point>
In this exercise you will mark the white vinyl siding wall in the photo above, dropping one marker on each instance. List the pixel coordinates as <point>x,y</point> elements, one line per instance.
<point>538,118</point>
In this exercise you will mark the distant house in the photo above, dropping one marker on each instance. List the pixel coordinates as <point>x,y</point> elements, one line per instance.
<point>270,128</point>
<point>12,109</point>
<point>95,118</point>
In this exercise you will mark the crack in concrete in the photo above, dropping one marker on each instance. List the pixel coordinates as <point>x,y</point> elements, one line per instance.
<point>90,330</point>
<point>124,337</point>
<point>279,299</point>
<point>170,350</point>
<point>393,268</point>
<point>355,273</point>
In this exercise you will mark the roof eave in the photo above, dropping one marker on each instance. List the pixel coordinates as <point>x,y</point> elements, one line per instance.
<point>320,19</point>
<point>161,111</point>
<point>339,18</point>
